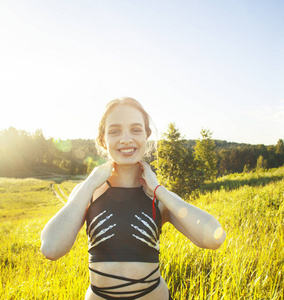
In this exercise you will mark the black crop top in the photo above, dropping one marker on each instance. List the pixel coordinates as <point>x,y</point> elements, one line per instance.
<point>120,227</point>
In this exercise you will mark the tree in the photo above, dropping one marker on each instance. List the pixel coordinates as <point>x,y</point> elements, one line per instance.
<point>176,168</point>
<point>280,152</point>
<point>39,146</point>
<point>204,151</point>
<point>224,161</point>
<point>247,168</point>
<point>261,163</point>
<point>280,147</point>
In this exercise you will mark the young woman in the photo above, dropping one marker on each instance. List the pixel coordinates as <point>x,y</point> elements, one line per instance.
<point>125,208</point>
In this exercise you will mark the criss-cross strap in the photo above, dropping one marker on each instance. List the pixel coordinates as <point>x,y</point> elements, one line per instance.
<point>137,296</point>
<point>105,291</point>
<point>124,278</point>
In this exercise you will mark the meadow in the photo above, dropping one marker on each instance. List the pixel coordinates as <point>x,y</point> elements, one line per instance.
<point>249,265</point>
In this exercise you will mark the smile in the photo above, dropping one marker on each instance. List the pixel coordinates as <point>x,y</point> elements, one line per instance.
<point>127,151</point>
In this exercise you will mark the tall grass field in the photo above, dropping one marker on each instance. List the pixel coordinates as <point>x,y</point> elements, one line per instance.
<point>249,265</point>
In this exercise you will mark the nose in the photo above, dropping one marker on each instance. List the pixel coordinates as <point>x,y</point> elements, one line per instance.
<point>126,139</point>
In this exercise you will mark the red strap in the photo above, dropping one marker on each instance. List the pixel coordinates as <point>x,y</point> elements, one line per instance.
<point>153,203</point>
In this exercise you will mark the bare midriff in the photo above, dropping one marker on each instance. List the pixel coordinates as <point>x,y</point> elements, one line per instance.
<point>133,270</point>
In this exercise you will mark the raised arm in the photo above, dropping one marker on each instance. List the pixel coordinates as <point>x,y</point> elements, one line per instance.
<point>196,224</point>
<point>59,234</point>
<point>199,226</point>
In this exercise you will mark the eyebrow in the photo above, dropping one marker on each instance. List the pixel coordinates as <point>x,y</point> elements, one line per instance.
<point>118,125</point>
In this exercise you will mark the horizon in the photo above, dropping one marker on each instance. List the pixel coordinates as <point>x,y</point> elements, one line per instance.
<point>218,66</point>
<point>150,139</point>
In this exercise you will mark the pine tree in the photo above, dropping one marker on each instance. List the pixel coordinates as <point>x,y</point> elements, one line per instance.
<point>204,151</point>
<point>176,168</point>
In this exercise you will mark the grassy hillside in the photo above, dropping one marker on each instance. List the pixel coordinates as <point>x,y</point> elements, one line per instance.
<point>250,264</point>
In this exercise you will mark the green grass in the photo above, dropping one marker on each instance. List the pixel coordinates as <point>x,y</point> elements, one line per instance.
<point>249,265</point>
<point>25,198</point>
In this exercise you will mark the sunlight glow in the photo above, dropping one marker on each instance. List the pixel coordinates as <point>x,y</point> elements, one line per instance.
<point>218,233</point>
<point>64,146</point>
<point>182,213</point>
<point>55,71</point>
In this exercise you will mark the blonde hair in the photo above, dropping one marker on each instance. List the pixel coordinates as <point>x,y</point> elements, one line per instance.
<point>100,140</point>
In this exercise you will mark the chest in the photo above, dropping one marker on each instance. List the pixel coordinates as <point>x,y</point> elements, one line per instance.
<point>123,216</point>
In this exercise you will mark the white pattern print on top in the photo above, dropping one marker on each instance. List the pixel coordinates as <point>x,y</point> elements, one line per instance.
<point>154,241</point>
<point>93,238</point>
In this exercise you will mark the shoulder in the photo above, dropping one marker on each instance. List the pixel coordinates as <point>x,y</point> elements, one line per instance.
<point>98,192</point>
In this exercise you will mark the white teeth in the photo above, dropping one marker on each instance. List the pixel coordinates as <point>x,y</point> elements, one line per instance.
<point>127,150</point>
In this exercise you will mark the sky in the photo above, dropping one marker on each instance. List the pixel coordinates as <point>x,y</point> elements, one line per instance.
<point>217,65</point>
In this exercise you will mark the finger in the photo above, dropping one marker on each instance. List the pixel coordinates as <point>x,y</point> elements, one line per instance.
<point>143,164</point>
<point>146,165</point>
<point>142,182</point>
<point>110,164</point>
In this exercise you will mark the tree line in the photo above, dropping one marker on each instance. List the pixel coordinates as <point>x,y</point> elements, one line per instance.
<point>24,154</point>
<point>185,165</point>
<point>179,163</point>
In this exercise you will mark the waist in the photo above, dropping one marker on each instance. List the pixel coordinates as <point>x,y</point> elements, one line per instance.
<point>128,277</point>
<point>134,270</point>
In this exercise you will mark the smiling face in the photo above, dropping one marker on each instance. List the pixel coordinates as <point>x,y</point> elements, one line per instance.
<point>125,135</point>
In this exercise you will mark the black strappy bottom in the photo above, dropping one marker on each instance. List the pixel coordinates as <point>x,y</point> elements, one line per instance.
<point>104,291</point>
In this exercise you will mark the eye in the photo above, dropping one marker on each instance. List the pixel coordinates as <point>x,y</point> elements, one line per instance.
<point>113,132</point>
<point>137,130</point>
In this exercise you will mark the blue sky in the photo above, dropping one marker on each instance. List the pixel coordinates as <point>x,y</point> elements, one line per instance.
<point>217,65</point>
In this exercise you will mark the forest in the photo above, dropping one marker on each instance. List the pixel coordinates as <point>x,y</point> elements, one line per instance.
<point>24,154</point>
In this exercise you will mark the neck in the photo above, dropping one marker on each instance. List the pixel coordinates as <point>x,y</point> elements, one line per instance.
<point>126,176</point>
